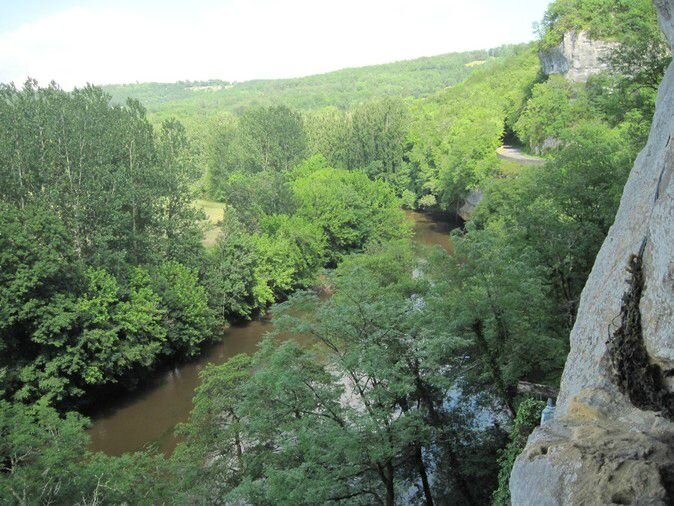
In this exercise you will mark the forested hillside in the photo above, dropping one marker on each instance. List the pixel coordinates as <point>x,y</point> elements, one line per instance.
<point>197,103</point>
<point>391,375</point>
<point>430,150</point>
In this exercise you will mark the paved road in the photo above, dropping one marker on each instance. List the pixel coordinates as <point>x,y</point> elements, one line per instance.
<point>514,154</point>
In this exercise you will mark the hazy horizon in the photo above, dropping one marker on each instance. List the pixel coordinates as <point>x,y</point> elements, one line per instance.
<point>75,42</point>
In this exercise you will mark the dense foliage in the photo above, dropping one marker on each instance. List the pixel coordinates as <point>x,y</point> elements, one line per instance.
<point>103,270</point>
<point>358,413</point>
<point>527,419</point>
<point>431,151</point>
<point>45,461</point>
<point>100,243</point>
<point>399,382</point>
<point>455,133</point>
<point>603,19</point>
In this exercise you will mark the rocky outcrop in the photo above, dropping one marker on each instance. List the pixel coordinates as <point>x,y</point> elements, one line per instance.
<point>666,13</point>
<point>549,144</point>
<point>470,202</point>
<point>612,441</point>
<point>577,56</point>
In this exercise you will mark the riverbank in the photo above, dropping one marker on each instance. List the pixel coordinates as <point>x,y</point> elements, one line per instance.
<point>149,415</point>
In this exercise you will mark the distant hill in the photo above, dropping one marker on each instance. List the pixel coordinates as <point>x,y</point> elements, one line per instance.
<point>193,102</point>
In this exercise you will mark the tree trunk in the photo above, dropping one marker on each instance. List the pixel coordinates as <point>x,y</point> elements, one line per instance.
<point>459,478</point>
<point>390,489</point>
<point>424,476</point>
<point>418,456</point>
<point>493,364</point>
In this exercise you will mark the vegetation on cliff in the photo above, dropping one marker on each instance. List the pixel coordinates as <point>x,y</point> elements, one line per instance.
<point>401,386</point>
<point>620,20</point>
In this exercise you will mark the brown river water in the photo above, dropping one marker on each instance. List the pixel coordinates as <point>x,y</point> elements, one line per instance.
<point>148,416</point>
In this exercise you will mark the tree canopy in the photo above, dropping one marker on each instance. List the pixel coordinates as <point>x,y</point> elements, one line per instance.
<point>391,372</point>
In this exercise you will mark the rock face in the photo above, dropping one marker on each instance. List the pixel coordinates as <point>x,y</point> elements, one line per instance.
<point>601,448</point>
<point>577,56</point>
<point>470,202</point>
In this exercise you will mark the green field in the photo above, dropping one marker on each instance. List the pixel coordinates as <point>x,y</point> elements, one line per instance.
<point>215,212</point>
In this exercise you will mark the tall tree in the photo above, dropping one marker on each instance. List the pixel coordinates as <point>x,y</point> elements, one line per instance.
<point>352,209</point>
<point>272,137</point>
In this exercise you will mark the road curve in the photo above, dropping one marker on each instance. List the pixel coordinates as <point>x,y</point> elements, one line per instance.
<point>508,152</point>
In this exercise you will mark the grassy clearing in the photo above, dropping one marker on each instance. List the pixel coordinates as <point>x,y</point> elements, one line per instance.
<point>215,212</point>
<point>509,168</point>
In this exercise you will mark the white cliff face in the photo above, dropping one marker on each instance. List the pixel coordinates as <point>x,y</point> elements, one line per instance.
<point>577,56</point>
<point>601,448</point>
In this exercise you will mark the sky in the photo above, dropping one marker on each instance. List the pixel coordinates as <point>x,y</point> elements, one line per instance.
<point>75,42</point>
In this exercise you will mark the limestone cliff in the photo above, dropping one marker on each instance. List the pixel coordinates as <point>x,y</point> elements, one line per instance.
<point>577,56</point>
<point>612,440</point>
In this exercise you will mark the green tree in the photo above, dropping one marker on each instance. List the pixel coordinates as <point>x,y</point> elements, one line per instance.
<point>328,135</point>
<point>230,268</point>
<point>39,280</point>
<point>272,137</point>
<point>455,132</point>
<point>255,195</point>
<point>494,300</point>
<point>555,106</point>
<point>179,237</point>
<point>351,209</point>
<point>105,337</point>
<point>45,461</point>
<point>223,153</point>
<point>392,353</point>
<point>186,315</point>
<point>527,419</point>
<point>263,139</point>
<point>561,212</point>
<point>289,253</point>
<point>216,426</point>
<point>370,137</point>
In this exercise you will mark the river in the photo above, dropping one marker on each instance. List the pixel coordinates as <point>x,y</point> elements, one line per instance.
<point>148,416</point>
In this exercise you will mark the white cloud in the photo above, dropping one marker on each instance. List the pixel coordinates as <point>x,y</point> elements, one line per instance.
<point>247,39</point>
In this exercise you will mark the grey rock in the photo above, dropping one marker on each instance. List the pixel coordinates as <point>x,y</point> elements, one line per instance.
<point>577,56</point>
<point>600,448</point>
<point>577,463</point>
<point>666,14</point>
<point>470,202</point>
<point>549,144</point>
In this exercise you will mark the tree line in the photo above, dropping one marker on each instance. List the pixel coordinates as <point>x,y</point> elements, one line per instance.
<point>103,270</point>
<point>400,386</point>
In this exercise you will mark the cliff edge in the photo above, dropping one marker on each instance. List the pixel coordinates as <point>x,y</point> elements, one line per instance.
<point>612,440</point>
<point>577,56</point>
